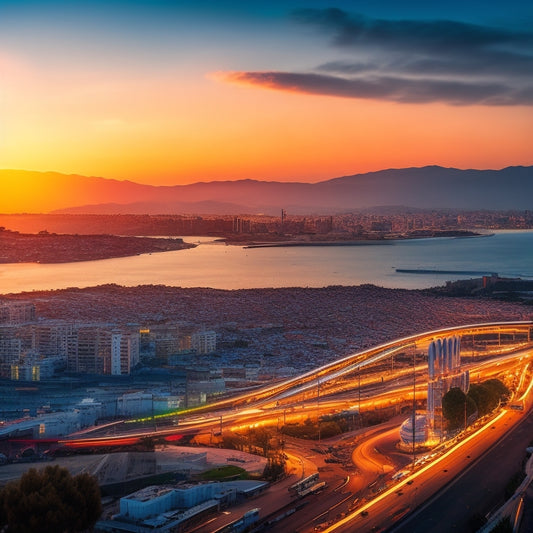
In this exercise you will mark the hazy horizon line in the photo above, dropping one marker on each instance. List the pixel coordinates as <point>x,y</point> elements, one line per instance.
<point>264,180</point>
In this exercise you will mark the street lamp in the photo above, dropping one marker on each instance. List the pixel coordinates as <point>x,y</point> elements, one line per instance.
<point>359,391</point>
<point>318,407</point>
<point>414,405</point>
<point>465,412</point>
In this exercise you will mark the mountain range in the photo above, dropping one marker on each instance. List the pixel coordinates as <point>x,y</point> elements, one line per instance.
<point>425,188</point>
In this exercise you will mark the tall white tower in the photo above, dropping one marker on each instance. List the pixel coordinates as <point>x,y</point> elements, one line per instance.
<point>444,368</point>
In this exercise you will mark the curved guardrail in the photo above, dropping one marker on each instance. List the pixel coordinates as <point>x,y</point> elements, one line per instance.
<point>359,360</point>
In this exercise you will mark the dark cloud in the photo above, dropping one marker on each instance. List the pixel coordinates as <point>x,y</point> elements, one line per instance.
<point>442,36</point>
<point>413,61</point>
<point>389,88</point>
<point>493,64</point>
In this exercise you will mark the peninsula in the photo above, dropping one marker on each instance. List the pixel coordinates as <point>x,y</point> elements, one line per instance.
<point>45,247</point>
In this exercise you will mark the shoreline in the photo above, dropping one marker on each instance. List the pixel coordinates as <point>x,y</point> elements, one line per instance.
<point>452,272</point>
<point>386,240</point>
<point>282,244</point>
<point>52,248</point>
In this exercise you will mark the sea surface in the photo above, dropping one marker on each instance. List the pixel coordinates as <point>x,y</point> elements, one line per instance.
<point>216,265</point>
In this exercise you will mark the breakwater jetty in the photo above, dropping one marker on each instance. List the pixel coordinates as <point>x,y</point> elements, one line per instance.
<point>453,272</point>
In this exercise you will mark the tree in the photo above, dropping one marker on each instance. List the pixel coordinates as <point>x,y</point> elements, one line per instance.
<point>275,467</point>
<point>498,389</point>
<point>260,438</point>
<point>233,441</point>
<point>481,395</point>
<point>88,486</point>
<point>488,394</point>
<point>50,501</point>
<point>454,404</point>
<point>3,514</point>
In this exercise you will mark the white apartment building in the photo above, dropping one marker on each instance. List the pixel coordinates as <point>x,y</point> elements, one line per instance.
<point>102,350</point>
<point>204,341</point>
<point>13,312</point>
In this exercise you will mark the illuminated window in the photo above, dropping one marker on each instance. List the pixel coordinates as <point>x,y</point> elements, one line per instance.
<point>14,372</point>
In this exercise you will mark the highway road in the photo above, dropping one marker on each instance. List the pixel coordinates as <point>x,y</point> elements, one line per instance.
<point>375,378</point>
<point>490,338</point>
<point>479,490</point>
<point>402,497</point>
<point>374,394</point>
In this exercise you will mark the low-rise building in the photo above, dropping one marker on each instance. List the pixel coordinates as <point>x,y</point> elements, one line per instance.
<point>16,312</point>
<point>167,508</point>
<point>33,369</point>
<point>204,342</point>
<point>135,403</point>
<point>102,349</point>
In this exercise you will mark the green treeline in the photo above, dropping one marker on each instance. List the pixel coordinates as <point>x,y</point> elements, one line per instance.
<point>50,501</point>
<point>482,398</point>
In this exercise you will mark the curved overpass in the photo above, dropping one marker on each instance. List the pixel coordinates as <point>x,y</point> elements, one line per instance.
<point>516,334</point>
<point>384,370</point>
<point>369,370</point>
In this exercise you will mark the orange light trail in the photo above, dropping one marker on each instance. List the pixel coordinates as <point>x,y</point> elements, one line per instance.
<point>413,476</point>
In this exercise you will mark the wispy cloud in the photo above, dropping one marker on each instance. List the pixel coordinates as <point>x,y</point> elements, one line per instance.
<point>411,61</point>
<point>387,88</point>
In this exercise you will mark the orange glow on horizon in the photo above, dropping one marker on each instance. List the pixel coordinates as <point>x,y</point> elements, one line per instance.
<point>169,132</point>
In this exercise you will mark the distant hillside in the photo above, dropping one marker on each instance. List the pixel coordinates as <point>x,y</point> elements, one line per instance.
<point>37,192</point>
<point>426,187</point>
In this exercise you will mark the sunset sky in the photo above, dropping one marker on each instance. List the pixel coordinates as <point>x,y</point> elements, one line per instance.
<point>170,92</point>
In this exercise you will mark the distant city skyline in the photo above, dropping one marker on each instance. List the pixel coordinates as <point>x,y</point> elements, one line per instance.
<point>167,93</point>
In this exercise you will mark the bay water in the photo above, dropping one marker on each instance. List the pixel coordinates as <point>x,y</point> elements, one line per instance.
<point>216,265</point>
